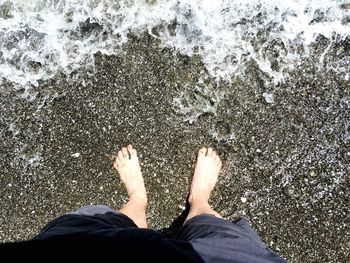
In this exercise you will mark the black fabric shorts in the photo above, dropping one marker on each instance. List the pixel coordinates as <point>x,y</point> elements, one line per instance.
<point>205,225</point>
<point>198,227</point>
<point>213,239</point>
<point>218,240</point>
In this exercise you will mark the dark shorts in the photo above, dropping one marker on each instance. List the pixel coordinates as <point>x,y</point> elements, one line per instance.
<point>202,226</point>
<point>218,240</point>
<point>213,239</point>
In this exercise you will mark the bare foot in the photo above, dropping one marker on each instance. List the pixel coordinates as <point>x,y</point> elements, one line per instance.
<point>206,173</point>
<point>128,167</point>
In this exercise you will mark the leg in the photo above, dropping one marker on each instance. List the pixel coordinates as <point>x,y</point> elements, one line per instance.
<point>204,179</point>
<point>128,167</point>
<point>212,237</point>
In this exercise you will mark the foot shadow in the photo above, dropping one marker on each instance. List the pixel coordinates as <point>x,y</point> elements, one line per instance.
<point>173,229</point>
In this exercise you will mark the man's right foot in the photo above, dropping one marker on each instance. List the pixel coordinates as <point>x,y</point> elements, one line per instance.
<point>128,167</point>
<point>206,173</point>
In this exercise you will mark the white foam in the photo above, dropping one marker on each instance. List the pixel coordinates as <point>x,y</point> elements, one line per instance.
<point>202,99</point>
<point>224,33</point>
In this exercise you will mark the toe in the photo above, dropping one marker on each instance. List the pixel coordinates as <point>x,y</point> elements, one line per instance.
<point>120,155</point>
<point>216,157</point>
<point>125,152</point>
<point>202,151</point>
<point>116,163</point>
<point>210,151</point>
<point>131,150</point>
<point>219,165</point>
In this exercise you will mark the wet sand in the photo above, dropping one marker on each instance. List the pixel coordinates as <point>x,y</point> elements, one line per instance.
<point>287,169</point>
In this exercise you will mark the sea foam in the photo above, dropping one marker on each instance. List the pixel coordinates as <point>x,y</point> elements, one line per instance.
<point>44,37</point>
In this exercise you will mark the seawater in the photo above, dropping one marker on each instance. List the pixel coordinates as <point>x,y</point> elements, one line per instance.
<point>40,38</point>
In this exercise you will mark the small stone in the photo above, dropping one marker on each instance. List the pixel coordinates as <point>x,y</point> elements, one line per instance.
<point>181,207</point>
<point>243,199</point>
<point>76,155</point>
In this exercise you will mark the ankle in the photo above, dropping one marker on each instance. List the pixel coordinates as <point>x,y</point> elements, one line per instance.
<point>139,200</point>
<point>198,200</point>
